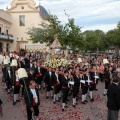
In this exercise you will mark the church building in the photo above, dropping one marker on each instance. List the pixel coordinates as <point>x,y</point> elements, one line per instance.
<point>17,20</point>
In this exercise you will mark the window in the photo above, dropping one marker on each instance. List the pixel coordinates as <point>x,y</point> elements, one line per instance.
<point>7,32</point>
<point>22,20</point>
<point>22,7</point>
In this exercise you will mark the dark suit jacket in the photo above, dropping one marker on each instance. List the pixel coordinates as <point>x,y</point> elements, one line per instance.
<point>30,77</point>
<point>64,81</point>
<point>28,97</point>
<point>28,65</point>
<point>113,96</point>
<point>77,82</point>
<point>54,79</point>
<point>47,78</point>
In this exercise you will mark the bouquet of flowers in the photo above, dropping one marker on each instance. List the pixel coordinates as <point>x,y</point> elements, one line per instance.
<point>56,63</point>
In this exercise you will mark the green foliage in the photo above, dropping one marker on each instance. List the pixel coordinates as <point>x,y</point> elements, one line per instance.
<point>70,35</point>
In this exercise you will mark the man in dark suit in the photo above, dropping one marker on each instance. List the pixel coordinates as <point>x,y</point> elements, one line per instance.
<point>8,79</point>
<point>47,80</point>
<point>65,89</point>
<point>30,64</point>
<point>32,100</point>
<point>113,102</point>
<point>31,75</point>
<point>55,83</point>
<point>38,75</point>
<point>76,87</point>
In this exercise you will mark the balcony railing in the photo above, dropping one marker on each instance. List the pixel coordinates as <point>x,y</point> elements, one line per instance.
<point>6,36</point>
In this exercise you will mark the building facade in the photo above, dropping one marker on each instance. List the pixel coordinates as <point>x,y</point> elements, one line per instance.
<point>6,37</point>
<point>23,15</point>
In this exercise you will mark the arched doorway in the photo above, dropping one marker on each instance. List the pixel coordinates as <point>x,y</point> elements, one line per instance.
<point>1,47</point>
<point>7,47</point>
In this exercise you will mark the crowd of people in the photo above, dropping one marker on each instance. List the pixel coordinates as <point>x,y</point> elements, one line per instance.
<point>61,81</point>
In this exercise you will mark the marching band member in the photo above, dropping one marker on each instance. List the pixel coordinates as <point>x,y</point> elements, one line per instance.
<point>1,112</point>
<point>8,79</point>
<point>38,74</point>
<point>31,75</point>
<point>65,89</point>
<point>76,87</point>
<point>32,101</point>
<point>84,86</point>
<point>16,88</point>
<point>30,64</point>
<point>47,79</point>
<point>94,76</point>
<point>108,78</point>
<point>55,82</point>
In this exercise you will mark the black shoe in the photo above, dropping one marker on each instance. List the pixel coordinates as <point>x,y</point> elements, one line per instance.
<point>76,103</point>
<point>83,103</point>
<point>14,103</point>
<point>74,106</point>
<point>92,100</point>
<point>104,94</point>
<point>47,97</point>
<point>67,100</point>
<point>66,106</point>
<point>63,110</point>
<point>54,102</point>
<point>52,97</point>
<point>17,100</point>
<point>96,89</point>
<point>58,100</point>
<point>9,92</point>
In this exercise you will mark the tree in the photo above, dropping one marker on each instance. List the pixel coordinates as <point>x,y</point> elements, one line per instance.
<point>68,34</point>
<point>113,38</point>
<point>46,31</point>
<point>94,40</point>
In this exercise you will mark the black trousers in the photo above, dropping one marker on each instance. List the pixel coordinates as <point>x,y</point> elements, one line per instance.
<point>65,92</point>
<point>16,90</point>
<point>101,77</point>
<point>39,80</point>
<point>56,89</point>
<point>112,115</point>
<point>29,113</point>
<point>107,83</point>
<point>84,90</point>
<point>91,87</point>
<point>8,84</point>
<point>49,88</point>
<point>75,91</point>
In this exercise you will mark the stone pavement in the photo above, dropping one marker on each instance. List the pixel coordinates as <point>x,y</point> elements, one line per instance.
<point>96,110</point>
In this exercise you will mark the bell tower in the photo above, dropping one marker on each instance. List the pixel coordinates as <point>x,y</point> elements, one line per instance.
<point>29,2</point>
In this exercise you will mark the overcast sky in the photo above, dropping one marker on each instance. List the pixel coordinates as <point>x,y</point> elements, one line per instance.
<point>89,14</point>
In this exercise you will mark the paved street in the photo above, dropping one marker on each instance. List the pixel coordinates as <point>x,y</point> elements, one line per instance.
<point>49,111</point>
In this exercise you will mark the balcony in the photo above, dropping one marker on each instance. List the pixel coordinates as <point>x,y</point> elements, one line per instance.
<point>8,37</point>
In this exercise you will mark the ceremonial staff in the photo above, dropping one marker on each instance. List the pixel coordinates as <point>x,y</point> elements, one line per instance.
<point>22,74</point>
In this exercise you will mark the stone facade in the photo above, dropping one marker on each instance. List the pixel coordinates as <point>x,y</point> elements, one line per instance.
<point>6,37</point>
<point>23,15</point>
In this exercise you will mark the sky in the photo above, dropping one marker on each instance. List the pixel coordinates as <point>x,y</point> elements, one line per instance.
<point>88,14</point>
